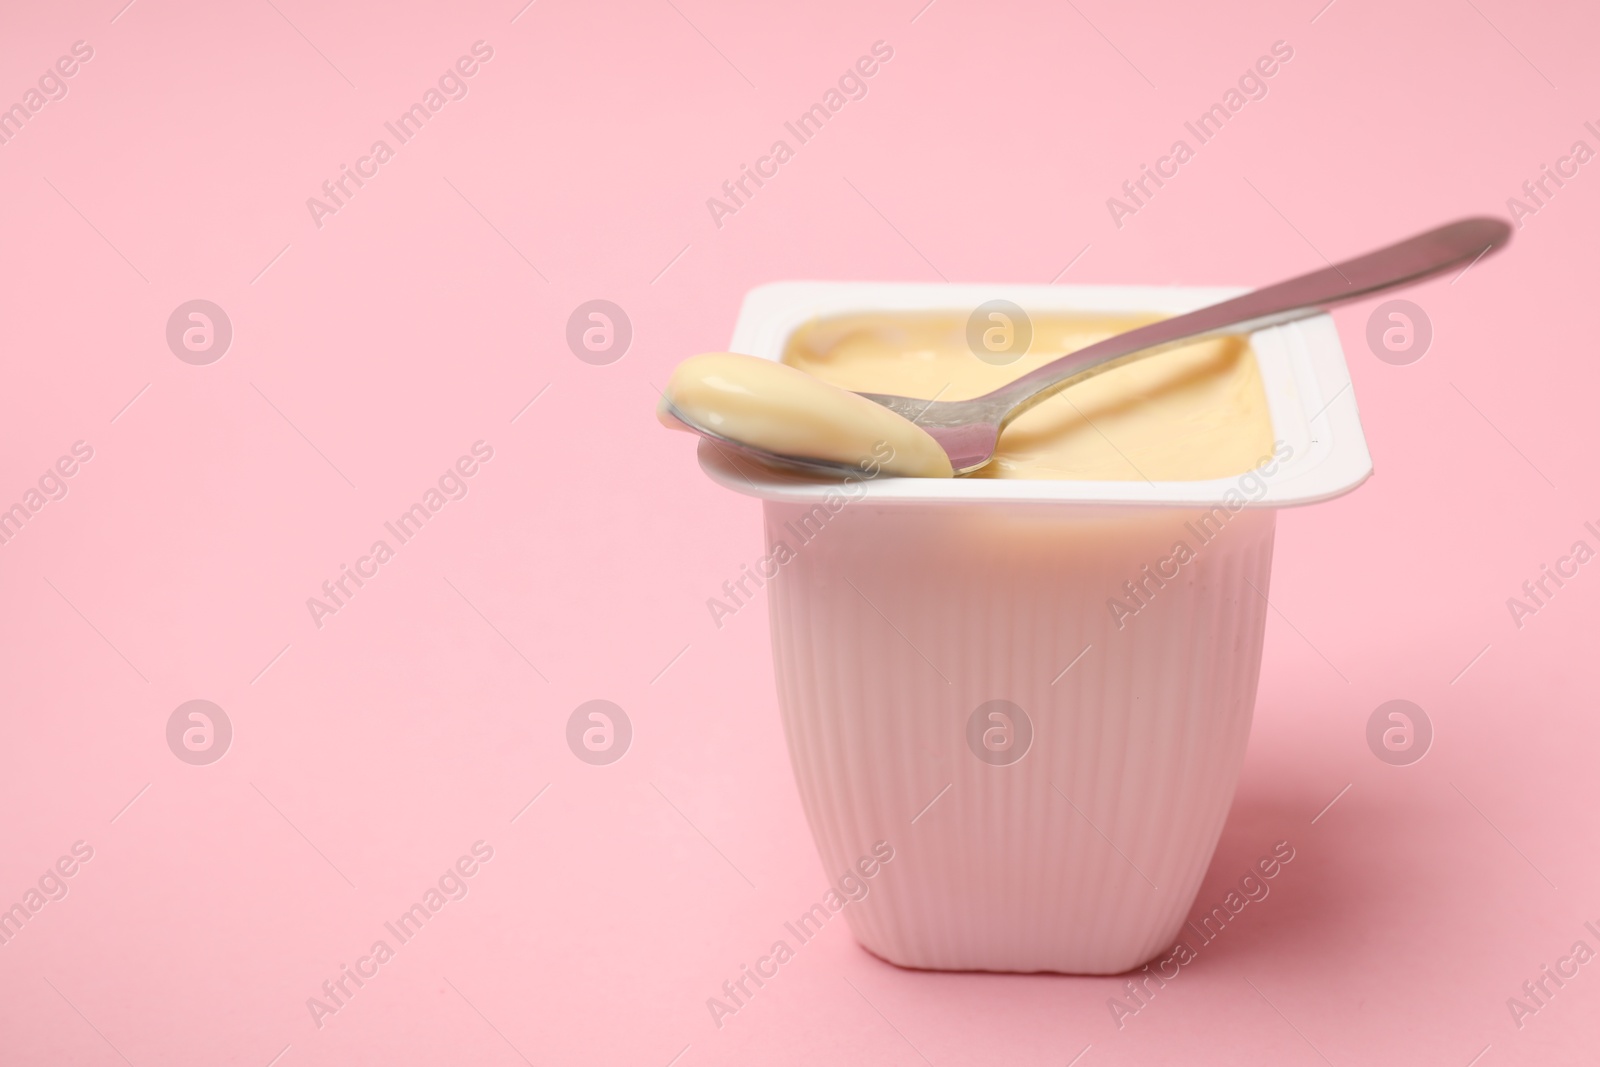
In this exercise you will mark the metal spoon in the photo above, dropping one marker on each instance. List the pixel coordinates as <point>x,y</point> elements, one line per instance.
<point>968,430</point>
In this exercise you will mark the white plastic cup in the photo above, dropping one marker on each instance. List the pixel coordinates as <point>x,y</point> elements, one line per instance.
<point>955,676</point>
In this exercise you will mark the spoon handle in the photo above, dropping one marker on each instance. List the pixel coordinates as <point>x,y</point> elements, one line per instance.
<point>1461,242</point>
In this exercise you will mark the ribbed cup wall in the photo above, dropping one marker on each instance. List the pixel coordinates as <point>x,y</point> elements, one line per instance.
<point>891,625</point>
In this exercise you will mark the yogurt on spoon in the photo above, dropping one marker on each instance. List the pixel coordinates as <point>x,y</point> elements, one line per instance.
<point>787,412</point>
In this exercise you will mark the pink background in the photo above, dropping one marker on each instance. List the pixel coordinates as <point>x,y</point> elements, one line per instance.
<point>370,754</point>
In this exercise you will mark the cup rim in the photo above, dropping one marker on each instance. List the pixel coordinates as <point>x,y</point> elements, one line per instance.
<point>1310,401</point>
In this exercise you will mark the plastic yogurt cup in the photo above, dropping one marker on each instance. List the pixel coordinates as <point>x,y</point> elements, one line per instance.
<point>1038,692</point>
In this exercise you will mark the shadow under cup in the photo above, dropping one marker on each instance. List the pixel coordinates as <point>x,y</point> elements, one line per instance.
<point>1050,752</point>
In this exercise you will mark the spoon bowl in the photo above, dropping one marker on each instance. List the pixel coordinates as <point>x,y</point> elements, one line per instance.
<point>725,444</point>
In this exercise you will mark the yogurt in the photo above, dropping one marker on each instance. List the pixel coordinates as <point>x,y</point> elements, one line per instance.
<point>1188,414</point>
<point>787,412</point>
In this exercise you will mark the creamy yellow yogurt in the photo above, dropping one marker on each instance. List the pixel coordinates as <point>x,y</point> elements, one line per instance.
<point>787,412</point>
<point>1192,413</point>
